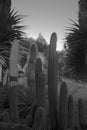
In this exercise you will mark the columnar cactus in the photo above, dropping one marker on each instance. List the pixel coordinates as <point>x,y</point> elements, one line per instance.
<point>52,82</point>
<point>31,62</point>
<point>81,112</point>
<point>13,65</point>
<point>38,67</point>
<point>40,91</point>
<point>38,70</point>
<point>63,106</point>
<point>70,112</point>
<point>30,69</point>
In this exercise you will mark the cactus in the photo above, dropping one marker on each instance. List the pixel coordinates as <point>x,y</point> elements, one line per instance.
<point>40,91</point>
<point>39,119</point>
<point>70,112</point>
<point>31,62</point>
<point>63,106</point>
<point>30,69</point>
<point>33,51</point>
<point>38,70</point>
<point>13,65</point>
<point>81,112</point>
<point>52,82</point>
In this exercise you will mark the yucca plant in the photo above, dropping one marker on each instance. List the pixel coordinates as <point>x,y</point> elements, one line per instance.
<point>76,45</point>
<point>9,30</point>
<point>25,100</point>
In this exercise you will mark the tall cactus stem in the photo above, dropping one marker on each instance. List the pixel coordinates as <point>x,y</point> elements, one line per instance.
<point>13,110</point>
<point>63,106</point>
<point>71,112</point>
<point>81,112</point>
<point>40,91</point>
<point>52,82</point>
<point>38,70</point>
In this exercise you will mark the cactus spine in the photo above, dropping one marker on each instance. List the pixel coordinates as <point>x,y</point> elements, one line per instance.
<point>13,110</point>
<point>52,82</point>
<point>63,106</point>
<point>70,112</point>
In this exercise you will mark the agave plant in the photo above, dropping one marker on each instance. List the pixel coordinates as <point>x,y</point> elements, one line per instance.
<point>25,100</point>
<point>9,30</point>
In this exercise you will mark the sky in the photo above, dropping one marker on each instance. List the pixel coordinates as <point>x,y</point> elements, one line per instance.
<point>47,16</point>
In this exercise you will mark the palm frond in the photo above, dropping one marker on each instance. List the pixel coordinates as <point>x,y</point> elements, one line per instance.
<point>10,29</point>
<point>76,42</point>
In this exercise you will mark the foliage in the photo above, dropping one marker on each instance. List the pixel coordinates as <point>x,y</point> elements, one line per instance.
<point>25,100</point>
<point>76,58</point>
<point>9,30</point>
<point>76,44</point>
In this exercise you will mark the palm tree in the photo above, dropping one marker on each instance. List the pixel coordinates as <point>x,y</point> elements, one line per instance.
<point>9,30</point>
<point>76,44</point>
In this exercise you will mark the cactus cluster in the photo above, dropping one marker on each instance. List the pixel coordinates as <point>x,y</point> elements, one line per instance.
<point>61,105</point>
<point>61,111</point>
